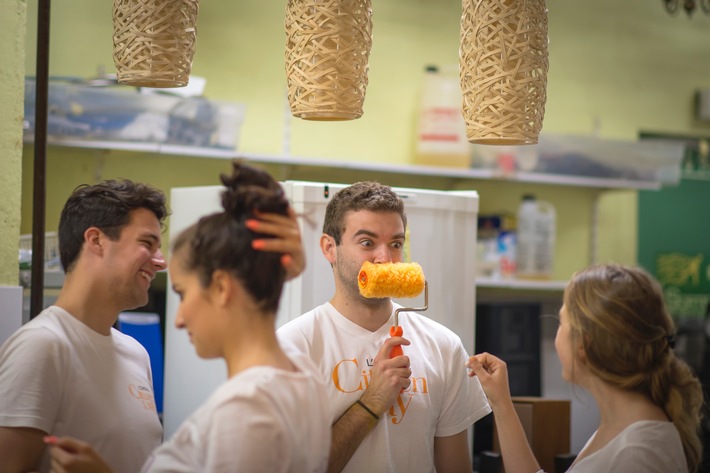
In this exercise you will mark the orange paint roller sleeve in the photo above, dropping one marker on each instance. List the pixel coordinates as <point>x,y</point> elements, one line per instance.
<point>391,280</point>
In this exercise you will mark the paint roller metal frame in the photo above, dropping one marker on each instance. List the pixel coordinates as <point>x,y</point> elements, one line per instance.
<point>413,309</point>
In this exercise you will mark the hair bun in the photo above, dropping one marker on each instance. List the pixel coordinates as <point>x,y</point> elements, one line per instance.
<point>249,190</point>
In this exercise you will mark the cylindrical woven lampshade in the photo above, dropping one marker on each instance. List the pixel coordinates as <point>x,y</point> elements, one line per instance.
<point>503,67</point>
<point>154,41</point>
<point>327,50</point>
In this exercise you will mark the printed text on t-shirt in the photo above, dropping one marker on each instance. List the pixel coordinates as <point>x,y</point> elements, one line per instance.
<point>349,377</point>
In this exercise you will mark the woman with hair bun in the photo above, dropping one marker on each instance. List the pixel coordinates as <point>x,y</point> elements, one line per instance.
<point>269,416</point>
<point>615,339</point>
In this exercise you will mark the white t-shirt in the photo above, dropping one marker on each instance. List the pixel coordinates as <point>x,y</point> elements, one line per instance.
<point>59,376</point>
<point>643,447</point>
<point>261,420</point>
<point>441,401</point>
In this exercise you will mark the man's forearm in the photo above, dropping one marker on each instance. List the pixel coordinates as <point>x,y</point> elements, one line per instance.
<point>348,433</point>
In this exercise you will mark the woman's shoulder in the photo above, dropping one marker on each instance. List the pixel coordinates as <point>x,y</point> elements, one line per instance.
<point>645,431</point>
<point>648,446</point>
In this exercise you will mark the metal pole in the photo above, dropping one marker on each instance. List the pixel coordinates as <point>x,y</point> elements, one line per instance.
<point>39,190</point>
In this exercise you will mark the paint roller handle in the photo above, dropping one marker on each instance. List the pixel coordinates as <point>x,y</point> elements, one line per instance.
<point>396,331</point>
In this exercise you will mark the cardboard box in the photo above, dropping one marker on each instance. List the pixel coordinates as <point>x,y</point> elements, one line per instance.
<point>546,423</point>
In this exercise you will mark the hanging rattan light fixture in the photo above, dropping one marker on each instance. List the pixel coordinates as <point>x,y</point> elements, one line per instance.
<point>154,41</point>
<point>327,50</point>
<point>503,67</point>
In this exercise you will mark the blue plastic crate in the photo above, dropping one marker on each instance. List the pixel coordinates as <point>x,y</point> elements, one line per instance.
<point>146,329</point>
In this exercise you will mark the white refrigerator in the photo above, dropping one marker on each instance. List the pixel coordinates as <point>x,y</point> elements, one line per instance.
<point>441,237</point>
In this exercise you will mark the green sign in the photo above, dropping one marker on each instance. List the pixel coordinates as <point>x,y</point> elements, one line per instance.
<point>674,244</point>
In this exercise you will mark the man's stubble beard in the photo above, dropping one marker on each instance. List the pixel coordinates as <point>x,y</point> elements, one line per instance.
<point>348,276</point>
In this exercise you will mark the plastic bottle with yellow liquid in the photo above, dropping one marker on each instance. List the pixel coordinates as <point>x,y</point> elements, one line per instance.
<point>441,130</point>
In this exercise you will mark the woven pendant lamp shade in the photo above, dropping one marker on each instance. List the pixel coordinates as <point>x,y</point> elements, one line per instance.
<point>154,41</point>
<point>503,67</point>
<point>327,50</point>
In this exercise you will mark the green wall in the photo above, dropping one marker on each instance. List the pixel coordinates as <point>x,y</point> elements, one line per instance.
<point>616,68</point>
<point>12,57</point>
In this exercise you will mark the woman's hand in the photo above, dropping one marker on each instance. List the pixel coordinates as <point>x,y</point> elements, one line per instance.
<point>287,240</point>
<point>492,372</point>
<point>74,456</point>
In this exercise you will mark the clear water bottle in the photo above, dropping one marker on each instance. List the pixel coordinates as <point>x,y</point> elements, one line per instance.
<point>536,239</point>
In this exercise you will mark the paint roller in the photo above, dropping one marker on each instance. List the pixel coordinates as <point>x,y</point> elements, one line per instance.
<point>394,280</point>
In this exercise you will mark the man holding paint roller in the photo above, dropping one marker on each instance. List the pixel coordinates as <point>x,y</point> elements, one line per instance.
<point>392,414</point>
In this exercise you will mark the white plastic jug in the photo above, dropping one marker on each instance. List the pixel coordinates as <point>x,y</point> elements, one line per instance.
<point>536,239</point>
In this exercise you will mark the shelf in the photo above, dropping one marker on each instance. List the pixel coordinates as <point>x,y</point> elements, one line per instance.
<point>696,175</point>
<point>406,169</point>
<point>53,279</point>
<point>547,293</point>
<point>521,284</point>
<point>157,148</point>
<point>462,173</point>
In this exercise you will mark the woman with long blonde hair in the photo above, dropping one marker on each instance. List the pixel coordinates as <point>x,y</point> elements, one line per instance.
<point>615,339</point>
